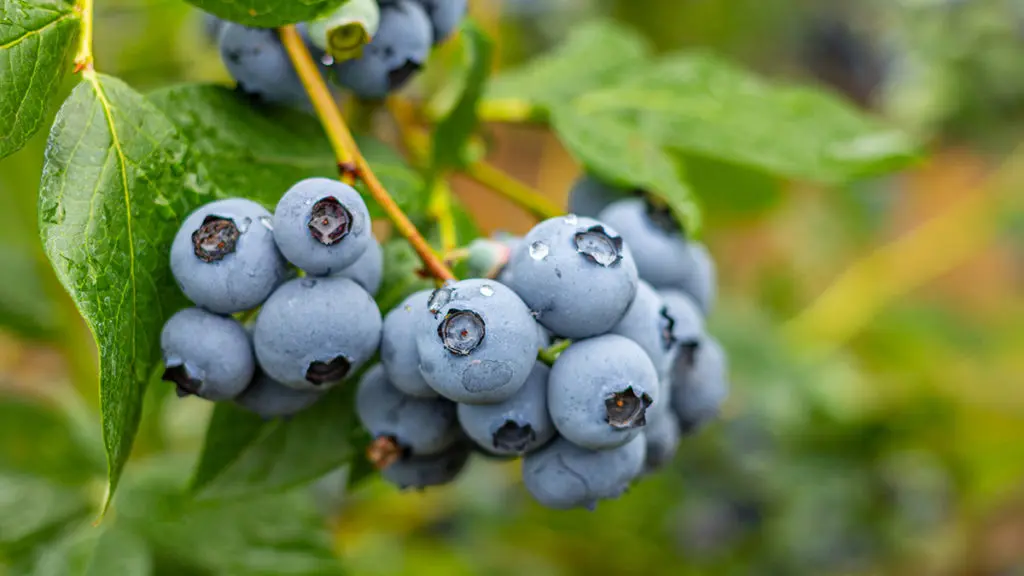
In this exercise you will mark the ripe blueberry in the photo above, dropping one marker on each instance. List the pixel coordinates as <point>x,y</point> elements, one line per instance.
<point>518,425</point>
<point>206,354</point>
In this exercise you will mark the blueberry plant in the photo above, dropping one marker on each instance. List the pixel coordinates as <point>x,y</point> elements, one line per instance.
<point>219,239</point>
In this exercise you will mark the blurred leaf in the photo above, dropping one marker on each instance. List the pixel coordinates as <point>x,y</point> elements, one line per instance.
<point>284,453</point>
<point>37,37</point>
<point>107,225</point>
<point>702,104</point>
<point>730,190</point>
<point>400,274</point>
<point>36,439</point>
<point>30,505</point>
<point>618,152</point>
<point>267,13</point>
<point>230,432</point>
<point>24,307</point>
<point>279,535</point>
<point>92,551</point>
<point>245,149</point>
<point>452,133</point>
<point>593,55</point>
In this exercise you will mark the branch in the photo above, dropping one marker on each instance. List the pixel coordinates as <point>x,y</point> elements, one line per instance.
<point>347,152</point>
<point>83,58</point>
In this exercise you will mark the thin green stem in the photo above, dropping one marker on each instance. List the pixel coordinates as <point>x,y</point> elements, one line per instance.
<point>508,111</point>
<point>519,193</point>
<point>551,353</point>
<point>83,58</point>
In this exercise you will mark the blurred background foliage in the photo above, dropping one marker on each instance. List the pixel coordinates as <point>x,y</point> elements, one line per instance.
<point>875,330</point>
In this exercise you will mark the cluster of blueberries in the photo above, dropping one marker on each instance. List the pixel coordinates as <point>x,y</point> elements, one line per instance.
<point>405,31</point>
<point>615,305</point>
<point>231,256</point>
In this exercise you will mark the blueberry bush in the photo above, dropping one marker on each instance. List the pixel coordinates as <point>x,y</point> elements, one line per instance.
<point>287,247</point>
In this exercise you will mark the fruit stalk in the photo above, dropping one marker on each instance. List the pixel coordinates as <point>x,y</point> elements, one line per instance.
<point>83,58</point>
<point>504,184</point>
<point>347,152</point>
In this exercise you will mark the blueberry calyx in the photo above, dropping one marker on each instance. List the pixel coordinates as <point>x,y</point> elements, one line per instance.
<point>215,238</point>
<point>462,331</point>
<point>625,410</point>
<point>329,221</point>
<point>399,76</point>
<point>385,451</point>
<point>513,437</point>
<point>666,324</point>
<point>319,373</point>
<point>184,383</point>
<point>598,246</point>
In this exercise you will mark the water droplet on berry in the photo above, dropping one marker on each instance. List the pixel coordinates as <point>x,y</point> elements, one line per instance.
<point>461,331</point>
<point>329,221</point>
<point>571,219</point>
<point>539,250</point>
<point>243,225</point>
<point>267,222</point>
<point>308,282</point>
<point>598,246</point>
<point>439,298</point>
<point>327,60</point>
<point>486,290</point>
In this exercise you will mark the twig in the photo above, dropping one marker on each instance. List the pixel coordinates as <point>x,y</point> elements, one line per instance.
<point>346,151</point>
<point>519,193</point>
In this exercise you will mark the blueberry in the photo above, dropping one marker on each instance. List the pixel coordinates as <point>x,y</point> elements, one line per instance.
<point>206,355</point>
<point>398,344</point>
<point>313,332</point>
<point>481,343</point>
<point>662,255</point>
<point>699,388</point>
<point>600,390</point>
<point>399,50</point>
<point>368,270</point>
<point>649,323</point>
<point>589,196</point>
<point>575,274</point>
<point>662,434</point>
<point>445,16</point>
<point>271,399</point>
<point>702,284</point>
<point>687,324</point>
<point>212,26</point>
<point>224,257</point>
<point>516,426</point>
<point>563,475</point>
<point>345,31</point>
<point>256,60</point>
<point>407,426</point>
<point>322,226</point>
<point>420,472</point>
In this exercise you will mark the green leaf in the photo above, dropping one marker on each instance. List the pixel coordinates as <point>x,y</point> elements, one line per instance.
<point>109,203</point>
<point>231,430</point>
<point>267,13</point>
<point>24,305</point>
<point>593,55</point>
<point>285,452</point>
<point>241,148</point>
<point>31,506</point>
<point>278,534</point>
<point>618,152</point>
<point>701,104</point>
<point>400,274</point>
<point>37,38</point>
<point>37,439</point>
<point>453,130</point>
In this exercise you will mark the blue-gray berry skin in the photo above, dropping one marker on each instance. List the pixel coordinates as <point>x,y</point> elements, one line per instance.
<point>368,270</point>
<point>419,472</point>
<point>563,475</point>
<point>419,426</point>
<point>481,343</point>
<point>313,332</point>
<point>256,60</point>
<point>224,257</point>
<point>649,323</point>
<point>702,284</point>
<point>662,434</point>
<point>445,16</point>
<point>398,50</point>
<point>576,274</point>
<point>589,196</point>
<point>271,399</point>
<point>212,26</point>
<point>687,321</point>
<point>322,226</point>
<point>518,425</point>
<point>206,354</point>
<point>600,390</point>
<point>700,388</point>
<point>398,352</point>
<point>662,256</point>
